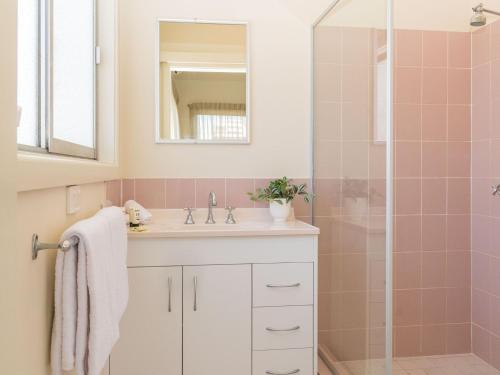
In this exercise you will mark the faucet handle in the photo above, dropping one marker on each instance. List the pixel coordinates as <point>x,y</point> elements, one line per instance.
<point>230,217</point>
<point>189,218</point>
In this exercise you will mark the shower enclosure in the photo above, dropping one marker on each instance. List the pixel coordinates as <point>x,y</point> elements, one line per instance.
<point>352,147</point>
<point>406,144</point>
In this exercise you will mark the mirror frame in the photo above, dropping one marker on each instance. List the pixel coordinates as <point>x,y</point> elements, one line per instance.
<point>158,139</point>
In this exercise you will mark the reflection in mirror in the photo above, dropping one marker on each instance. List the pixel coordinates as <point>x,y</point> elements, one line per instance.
<point>380,93</point>
<point>202,83</point>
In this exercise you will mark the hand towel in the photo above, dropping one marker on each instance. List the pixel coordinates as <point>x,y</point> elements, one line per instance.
<point>91,293</point>
<point>144,215</point>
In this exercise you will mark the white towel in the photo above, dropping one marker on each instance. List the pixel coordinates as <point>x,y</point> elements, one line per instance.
<point>91,293</point>
<point>144,215</point>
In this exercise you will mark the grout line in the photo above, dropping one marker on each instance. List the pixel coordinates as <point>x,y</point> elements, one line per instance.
<point>195,192</point>
<point>133,186</point>
<point>421,302</point>
<point>447,189</point>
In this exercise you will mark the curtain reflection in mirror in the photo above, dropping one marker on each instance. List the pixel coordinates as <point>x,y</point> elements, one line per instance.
<point>218,121</point>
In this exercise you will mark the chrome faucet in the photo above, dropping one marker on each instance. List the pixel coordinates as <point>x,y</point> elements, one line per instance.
<point>230,217</point>
<point>189,218</point>
<point>212,202</point>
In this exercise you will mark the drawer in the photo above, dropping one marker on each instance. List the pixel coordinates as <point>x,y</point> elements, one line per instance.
<point>282,327</point>
<point>283,284</point>
<point>282,362</point>
<point>147,251</point>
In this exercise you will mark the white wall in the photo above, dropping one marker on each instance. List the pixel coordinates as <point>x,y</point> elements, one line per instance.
<point>43,212</point>
<point>13,332</point>
<point>280,92</point>
<point>26,286</point>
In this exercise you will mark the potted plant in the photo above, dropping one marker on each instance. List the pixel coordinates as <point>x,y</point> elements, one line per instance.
<point>280,194</point>
<point>357,194</point>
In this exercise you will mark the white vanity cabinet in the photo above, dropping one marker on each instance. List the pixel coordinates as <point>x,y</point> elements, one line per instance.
<point>217,313</point>
<point>220,305</point>
<point>151,328</point>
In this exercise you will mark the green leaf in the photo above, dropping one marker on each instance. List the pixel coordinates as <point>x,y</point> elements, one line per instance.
<point>281,189</point>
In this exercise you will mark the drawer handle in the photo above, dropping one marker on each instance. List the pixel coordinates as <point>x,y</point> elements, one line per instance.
<point>169,294</point>
<point>195,289</point>
<point>296,371</point>
<point>283,285</point>
<point>270,329</point>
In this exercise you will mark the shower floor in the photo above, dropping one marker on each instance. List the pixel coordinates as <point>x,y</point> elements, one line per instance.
<point>459,364</point>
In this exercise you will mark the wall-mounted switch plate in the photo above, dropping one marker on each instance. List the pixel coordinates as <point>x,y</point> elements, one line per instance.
<point>72,199</point>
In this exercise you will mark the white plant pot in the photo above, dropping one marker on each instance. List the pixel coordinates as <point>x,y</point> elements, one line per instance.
<point>280,212</point>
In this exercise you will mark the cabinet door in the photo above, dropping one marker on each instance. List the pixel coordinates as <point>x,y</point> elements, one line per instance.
<point>151,329</point>
<point>217,320</point>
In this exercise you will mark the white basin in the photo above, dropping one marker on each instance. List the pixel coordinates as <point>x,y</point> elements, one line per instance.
<point>250,222</point>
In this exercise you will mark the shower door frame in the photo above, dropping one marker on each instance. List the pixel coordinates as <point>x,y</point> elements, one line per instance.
<point>389,160</point>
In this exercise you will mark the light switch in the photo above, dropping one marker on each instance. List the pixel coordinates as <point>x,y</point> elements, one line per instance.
<point>72,199</point>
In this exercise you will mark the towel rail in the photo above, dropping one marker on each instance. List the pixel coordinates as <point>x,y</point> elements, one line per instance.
<point>37,246</point>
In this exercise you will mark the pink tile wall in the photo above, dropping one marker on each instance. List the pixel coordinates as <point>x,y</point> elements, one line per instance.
<point>485,208</point>
<point>432,193</point>
<point>191,192</point>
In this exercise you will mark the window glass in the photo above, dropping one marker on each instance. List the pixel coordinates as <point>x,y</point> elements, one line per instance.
<point>27,73</point>
<point>221,127</point>
<point>73,71</point>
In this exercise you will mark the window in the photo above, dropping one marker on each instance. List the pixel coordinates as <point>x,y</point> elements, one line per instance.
<point>380,97</point>
<point>219,121</point>
<point>57,76</point>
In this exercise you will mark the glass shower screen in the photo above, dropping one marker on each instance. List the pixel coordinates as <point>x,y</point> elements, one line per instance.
<point>352,144</point>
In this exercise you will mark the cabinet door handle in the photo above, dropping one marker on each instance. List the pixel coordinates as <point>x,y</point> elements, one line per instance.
<point>283,285</point>
<point>195,287</point>
<point>296,371</point>
<point>270,329</point>
<point>170,294</point>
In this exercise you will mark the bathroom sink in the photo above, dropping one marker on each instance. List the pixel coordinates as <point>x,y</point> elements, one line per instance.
<point>249,222</point>
<point>211,227</point>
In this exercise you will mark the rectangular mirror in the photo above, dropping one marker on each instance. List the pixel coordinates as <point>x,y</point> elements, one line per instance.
<point>202,83</point>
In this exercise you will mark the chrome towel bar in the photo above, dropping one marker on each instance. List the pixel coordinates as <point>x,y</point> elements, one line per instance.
<point>37,246</point>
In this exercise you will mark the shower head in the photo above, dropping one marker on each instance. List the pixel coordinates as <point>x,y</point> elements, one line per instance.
<point>478,18</point>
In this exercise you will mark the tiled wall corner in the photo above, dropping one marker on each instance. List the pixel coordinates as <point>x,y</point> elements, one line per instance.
<point>485,208</point>
<point>432,193</point>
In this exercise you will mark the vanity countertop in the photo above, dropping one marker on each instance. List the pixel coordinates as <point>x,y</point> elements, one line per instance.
<point>250,222</point>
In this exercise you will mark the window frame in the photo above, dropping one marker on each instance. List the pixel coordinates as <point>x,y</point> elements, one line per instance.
<point>47,144</point>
